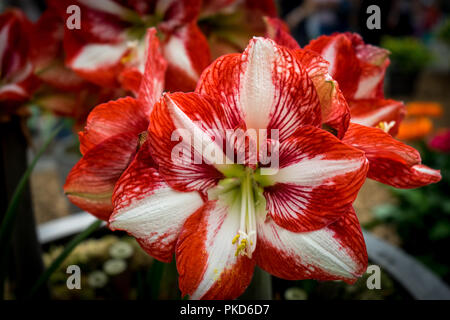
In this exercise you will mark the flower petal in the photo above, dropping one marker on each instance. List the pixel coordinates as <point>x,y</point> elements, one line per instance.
<point>205,255</point>
<point>101,21</point>
<point>344,66</point>
<point>371,112</point>
<point>100,63</point>
<point>335,252</point>
<point>91,181</point>
<point>123,116</point>
<point>358,68</point>
<point>319,176</point>
<point>152,83</point>
<point>17,81</point>
<point>148,209</point>
<point>182,128</point>
<point>265,87</point>
<point>187,53</point>
<point>47,54</point>
<point>391,162</point>
<point>335,111</point>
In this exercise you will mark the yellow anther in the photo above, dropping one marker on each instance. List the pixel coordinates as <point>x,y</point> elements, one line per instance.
<point>241,247</point>
<point>381,125</point>
<point>125,59</point>
<point>235,239</point>
<point>385,126</point>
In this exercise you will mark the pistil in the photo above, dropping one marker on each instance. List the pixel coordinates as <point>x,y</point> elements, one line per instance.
<point>247,229</point>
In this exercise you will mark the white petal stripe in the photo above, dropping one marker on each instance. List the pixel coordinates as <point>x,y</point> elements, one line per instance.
<point>313,172</point>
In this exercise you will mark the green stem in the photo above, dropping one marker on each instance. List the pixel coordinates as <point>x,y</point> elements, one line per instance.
<point>67,250</point>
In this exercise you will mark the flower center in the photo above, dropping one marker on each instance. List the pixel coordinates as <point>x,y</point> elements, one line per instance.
<point>245,185</point>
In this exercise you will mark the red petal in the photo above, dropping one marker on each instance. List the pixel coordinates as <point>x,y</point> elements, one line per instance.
<point>336,252</point>
<point>48,55</point>
<point>391,162</point>
<point>100,63</point>
<point>358,68</point>
<point>319,176</point>
<point>152,86</point>
<point>98,23</point>
<point>148,209</point>
<point>17,81</point>
<point>206,260</point>
<point>266,87</point>
<point>344,65</point>
<point>335,111</point>
<point>371,112</point>
<point>91,181</point>
<point>125,115</point>
<point>184,116</point>
<point>130,79</point>
<point>15,29</point>
<point>187,52</point>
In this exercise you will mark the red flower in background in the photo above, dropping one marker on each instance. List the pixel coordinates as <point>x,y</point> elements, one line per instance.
<point>63,92</point>
<point>17,81</point>
<point>109,48</point>
<point>359,69</point>
<point>222,219</point>
<point>112,137</point>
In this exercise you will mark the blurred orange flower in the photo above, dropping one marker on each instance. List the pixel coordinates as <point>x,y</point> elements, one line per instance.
<point>417,123</point>
<point>423,108</point>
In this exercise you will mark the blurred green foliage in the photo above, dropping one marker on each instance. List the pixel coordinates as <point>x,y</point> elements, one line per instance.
<point>422,216</point>
<point>408,54</point>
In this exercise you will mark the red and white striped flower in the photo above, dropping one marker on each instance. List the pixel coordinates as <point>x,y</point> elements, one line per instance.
<point>221,219</point>
<point>111,138</point>
<point>17,81</point>
<point>109,48</point>
<point>62,91</point>
<point>359,70</point>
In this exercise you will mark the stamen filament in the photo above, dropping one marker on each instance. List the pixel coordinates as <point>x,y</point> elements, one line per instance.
<point>247,228</point>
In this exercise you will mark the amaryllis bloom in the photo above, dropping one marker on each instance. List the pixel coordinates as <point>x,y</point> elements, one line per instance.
<point>359,69</point>
<point>109,48</point>
<point>17,81</point>
<point>62,91</point>
<point>112,135</point>
<point>221,216</point>
<point>48,55</point>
